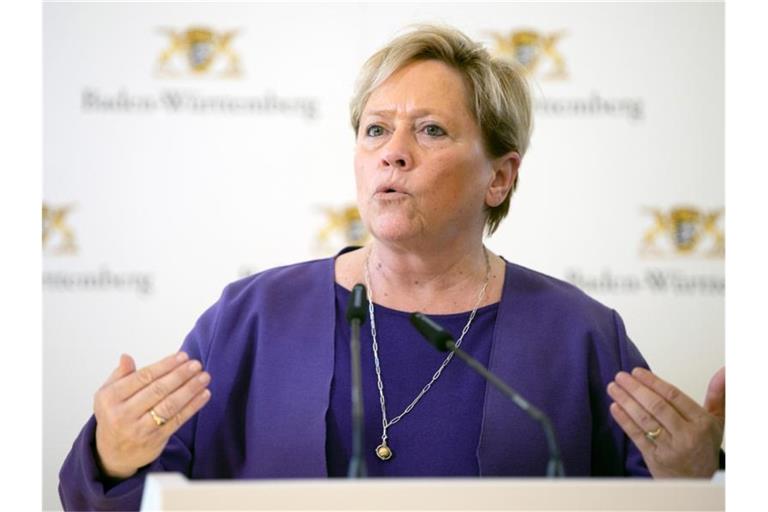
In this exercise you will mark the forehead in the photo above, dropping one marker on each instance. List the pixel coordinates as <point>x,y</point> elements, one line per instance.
<point>428,85</point>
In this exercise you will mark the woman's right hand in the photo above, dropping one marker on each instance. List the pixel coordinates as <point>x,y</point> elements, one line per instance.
<point>128,435</point>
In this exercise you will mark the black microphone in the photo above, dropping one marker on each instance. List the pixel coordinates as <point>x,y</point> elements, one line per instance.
<point>443,341</point>
<point>357,309</point>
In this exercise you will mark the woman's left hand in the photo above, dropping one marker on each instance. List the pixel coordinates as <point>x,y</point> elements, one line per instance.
<point>676,436</point>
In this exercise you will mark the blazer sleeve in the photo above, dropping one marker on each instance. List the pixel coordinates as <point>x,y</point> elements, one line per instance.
<point>630,358</point>
<point>613,453</point>
<point>82,486</point>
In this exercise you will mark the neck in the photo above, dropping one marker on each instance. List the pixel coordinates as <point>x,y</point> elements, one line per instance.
<point>441,281</point>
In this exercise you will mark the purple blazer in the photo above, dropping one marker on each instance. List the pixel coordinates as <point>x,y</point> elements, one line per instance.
<point>268,344</point>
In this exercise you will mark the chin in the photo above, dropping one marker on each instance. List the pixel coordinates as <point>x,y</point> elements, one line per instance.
<point>393,230</point>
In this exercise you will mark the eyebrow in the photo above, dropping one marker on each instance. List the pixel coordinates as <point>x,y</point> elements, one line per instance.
<point>414,113</point>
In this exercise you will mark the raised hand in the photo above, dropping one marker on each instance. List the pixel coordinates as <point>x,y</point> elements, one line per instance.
<point>676,436</point>
<point>138,411</point>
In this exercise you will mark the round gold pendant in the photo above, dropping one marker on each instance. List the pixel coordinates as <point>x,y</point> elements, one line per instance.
<point>383,452</point>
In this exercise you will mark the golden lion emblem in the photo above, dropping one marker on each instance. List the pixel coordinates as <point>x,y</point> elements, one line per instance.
<point>58,236</point>
<point>343,227</point>
<point>531,49</point>
<point>683,231</point>
<point>201,48</point>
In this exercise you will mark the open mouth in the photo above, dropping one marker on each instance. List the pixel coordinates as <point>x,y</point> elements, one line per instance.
<point>390,193</point>
<point>388,189</point>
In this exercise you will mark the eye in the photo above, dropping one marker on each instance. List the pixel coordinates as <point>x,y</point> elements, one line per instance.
<point>374,130</point>
<point>434,131</point>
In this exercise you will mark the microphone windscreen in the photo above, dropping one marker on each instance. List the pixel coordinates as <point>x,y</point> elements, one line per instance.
<point>431,331</point>
<point>357,307</point>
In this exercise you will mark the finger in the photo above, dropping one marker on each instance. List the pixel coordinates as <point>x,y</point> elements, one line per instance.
<point>663,412</point>
<point>642,418</point>
<point>687,407</point>
<point>125,366</point>
<point>130,384</point>
<point>174,403</point>
<point>161,390</point>
<point>190,409</point>
<point>714,402</point>
<point>633,431</point>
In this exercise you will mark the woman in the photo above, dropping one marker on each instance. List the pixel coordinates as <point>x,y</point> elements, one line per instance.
<point>261,386</point>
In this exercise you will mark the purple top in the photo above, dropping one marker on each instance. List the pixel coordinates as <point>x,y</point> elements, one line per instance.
<point>269,345</point>
<point>439,436</point>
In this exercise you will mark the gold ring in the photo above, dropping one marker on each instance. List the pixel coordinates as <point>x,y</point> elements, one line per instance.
<point>159,420</point>
<point>652,435</point>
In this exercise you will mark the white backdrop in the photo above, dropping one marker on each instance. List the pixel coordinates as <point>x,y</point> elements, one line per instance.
<point>161,185</point>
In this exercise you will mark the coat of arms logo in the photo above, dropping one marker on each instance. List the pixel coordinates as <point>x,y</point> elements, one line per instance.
<point>684,231</point>
<point>343,227</point>
<point>535,51</point>
<point>199,51</point>
<point>58,236</point>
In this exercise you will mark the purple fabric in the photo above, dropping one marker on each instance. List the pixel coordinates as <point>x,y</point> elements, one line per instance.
<point>439,436</point>
<point>269,346</point>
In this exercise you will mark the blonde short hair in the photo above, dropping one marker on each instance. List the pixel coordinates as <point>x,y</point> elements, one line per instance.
<point>498,92</point>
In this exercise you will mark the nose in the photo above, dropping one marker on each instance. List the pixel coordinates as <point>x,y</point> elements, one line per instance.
<point>396,153</point>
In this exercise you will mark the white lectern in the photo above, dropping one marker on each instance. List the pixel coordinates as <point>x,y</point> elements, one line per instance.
<point>172,491</point>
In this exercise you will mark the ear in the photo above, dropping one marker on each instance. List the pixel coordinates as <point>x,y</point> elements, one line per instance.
<point>504,178</point>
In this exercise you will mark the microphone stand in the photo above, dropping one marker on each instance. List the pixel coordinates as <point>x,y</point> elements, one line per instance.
<point>555,464</point>
<point>443,341</point>
<point>356,311</point>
